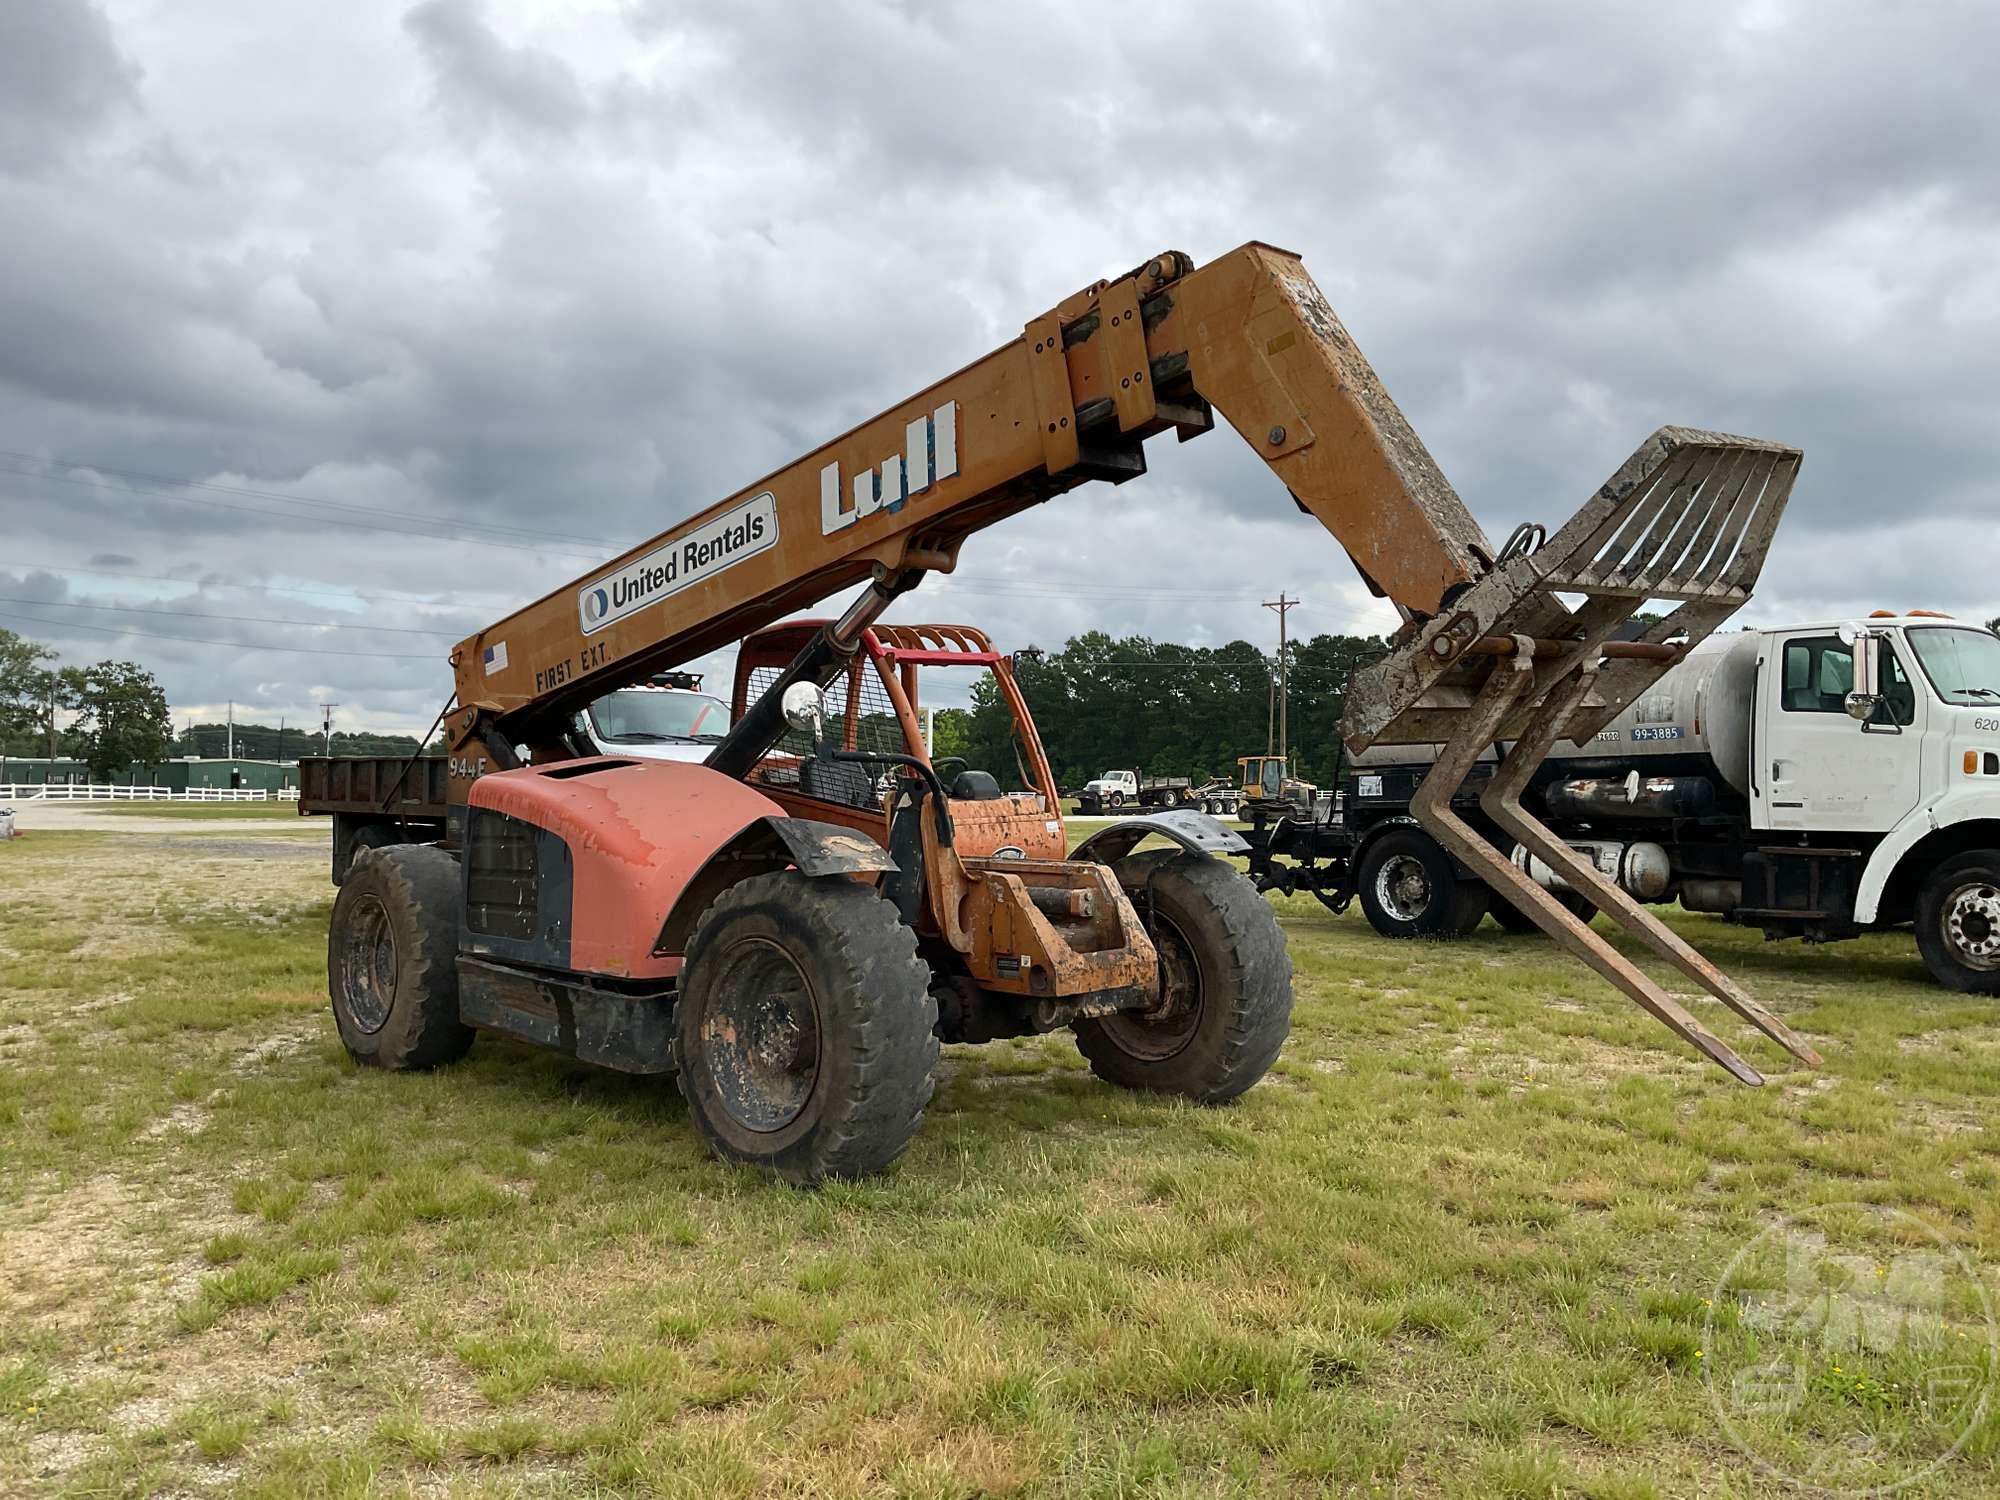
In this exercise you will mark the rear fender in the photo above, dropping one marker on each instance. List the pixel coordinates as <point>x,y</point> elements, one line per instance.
<point>1196,832</point>
<point>814,849</point>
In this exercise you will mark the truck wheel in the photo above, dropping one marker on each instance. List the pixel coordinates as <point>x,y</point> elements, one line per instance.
<point>1511,917</point>
<point>1225,983</point>
<point>1117,800</point>
<point>1170,799</point>
<point>391,959</point>
<point>805,1028</point>
<point>1409,888</point>
<point>1958,923</point>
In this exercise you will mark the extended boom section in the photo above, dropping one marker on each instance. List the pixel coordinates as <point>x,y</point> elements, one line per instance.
<point>1517,644</point>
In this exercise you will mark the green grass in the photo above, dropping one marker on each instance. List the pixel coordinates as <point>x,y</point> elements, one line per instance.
<point>1462,1242</point>
<point>204,811</point>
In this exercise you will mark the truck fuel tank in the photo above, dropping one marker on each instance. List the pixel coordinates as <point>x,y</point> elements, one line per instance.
<point>1642,869</point>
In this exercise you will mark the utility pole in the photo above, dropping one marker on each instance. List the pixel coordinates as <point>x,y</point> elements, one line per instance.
<point>52,722</point>
<point>229,745</point>
<point>281,739</point>
<point>1281,604</point>
<point>326,724</point>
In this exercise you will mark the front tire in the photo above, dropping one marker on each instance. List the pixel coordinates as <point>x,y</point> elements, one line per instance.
<point>392,959</point>
<point>1409,888</point>
<point>805,1028</point>
<point>1116,800</point>
<point>1958,923</point>
<point>1225,980</point>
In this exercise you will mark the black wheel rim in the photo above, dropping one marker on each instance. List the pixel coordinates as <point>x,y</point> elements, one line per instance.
<point>1164,1031</point>
<point>760,1036</point>
<point>368,966</point>
<point>1969,922</point>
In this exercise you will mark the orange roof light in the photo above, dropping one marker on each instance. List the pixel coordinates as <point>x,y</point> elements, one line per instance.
<point>1929,614</point>
<point>1881,614</point>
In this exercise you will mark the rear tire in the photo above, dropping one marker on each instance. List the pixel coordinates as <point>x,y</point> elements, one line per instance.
<point>805,1028</point>
<point>392,959</point>
<point>1511,917</point>
<point>1170,799</point>
<point>1958,923</point>
<point>1226,983</point>
<point>1409,888</point>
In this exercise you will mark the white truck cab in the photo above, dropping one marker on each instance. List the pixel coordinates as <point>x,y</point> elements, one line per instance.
<point>1113,789</point>
<point>1886,732</point>
<point>668,719</point>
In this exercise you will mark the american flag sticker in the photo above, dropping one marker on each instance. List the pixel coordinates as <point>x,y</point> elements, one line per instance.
<point>496,657</point>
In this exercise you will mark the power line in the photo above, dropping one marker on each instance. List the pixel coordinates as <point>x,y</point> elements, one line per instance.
<point>389,597</point>
<point>435,534</point>
<point>195,614</point>
<point>154,635</point>
<point>309,500</point>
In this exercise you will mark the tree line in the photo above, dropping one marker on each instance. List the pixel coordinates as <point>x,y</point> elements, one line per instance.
<point>113,715</point>
<point>1163,709</point>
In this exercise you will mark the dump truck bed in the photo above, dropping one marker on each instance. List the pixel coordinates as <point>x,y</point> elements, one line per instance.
<point>368,784</point>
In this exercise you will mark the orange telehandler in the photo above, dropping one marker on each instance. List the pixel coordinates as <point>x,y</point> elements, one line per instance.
<point>791,927</point>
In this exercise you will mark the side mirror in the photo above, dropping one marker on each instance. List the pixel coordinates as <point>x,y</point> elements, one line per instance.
<point>801,704</point>
<point>1861,701</point>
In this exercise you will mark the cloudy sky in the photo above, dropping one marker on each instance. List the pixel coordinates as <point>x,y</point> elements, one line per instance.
<point>347,328</point>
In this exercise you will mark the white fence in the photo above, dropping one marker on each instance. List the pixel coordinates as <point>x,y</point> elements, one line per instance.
<point>60,791</point>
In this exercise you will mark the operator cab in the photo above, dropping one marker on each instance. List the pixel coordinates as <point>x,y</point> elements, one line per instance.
<point>879,713</point>
<point>666,718</point>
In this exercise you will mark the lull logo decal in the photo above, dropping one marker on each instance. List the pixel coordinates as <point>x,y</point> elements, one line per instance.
<point>930,453</point>
<point>700,554</point>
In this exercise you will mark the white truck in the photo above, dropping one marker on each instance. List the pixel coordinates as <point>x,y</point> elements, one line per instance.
<point>1113,791</point>
<point>1816,781</point>
<point>375,800</point>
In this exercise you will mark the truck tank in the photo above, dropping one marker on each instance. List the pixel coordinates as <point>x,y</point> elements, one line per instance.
<point>1700,710</point>
<point>1692,727</point>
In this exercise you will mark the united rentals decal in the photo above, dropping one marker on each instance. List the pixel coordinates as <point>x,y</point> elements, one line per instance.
<point>685,561</point>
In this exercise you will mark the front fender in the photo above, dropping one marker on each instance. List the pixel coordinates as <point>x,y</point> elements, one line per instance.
<point>1195,832</point>
<point>1883,860</point>
<point>771,843</point>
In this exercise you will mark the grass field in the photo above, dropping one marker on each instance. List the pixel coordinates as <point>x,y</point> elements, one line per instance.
<point>220,812</point>
<point>1462,1242</point>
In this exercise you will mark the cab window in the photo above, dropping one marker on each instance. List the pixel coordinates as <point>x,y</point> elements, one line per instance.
<point>1819,672</point>
<point>1899,697</point>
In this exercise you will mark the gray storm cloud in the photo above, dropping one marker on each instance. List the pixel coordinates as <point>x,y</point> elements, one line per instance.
<point>509,286</point>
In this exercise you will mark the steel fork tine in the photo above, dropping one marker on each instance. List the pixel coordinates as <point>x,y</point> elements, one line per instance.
<point>1504,685</point>
<point>1500,801</point>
